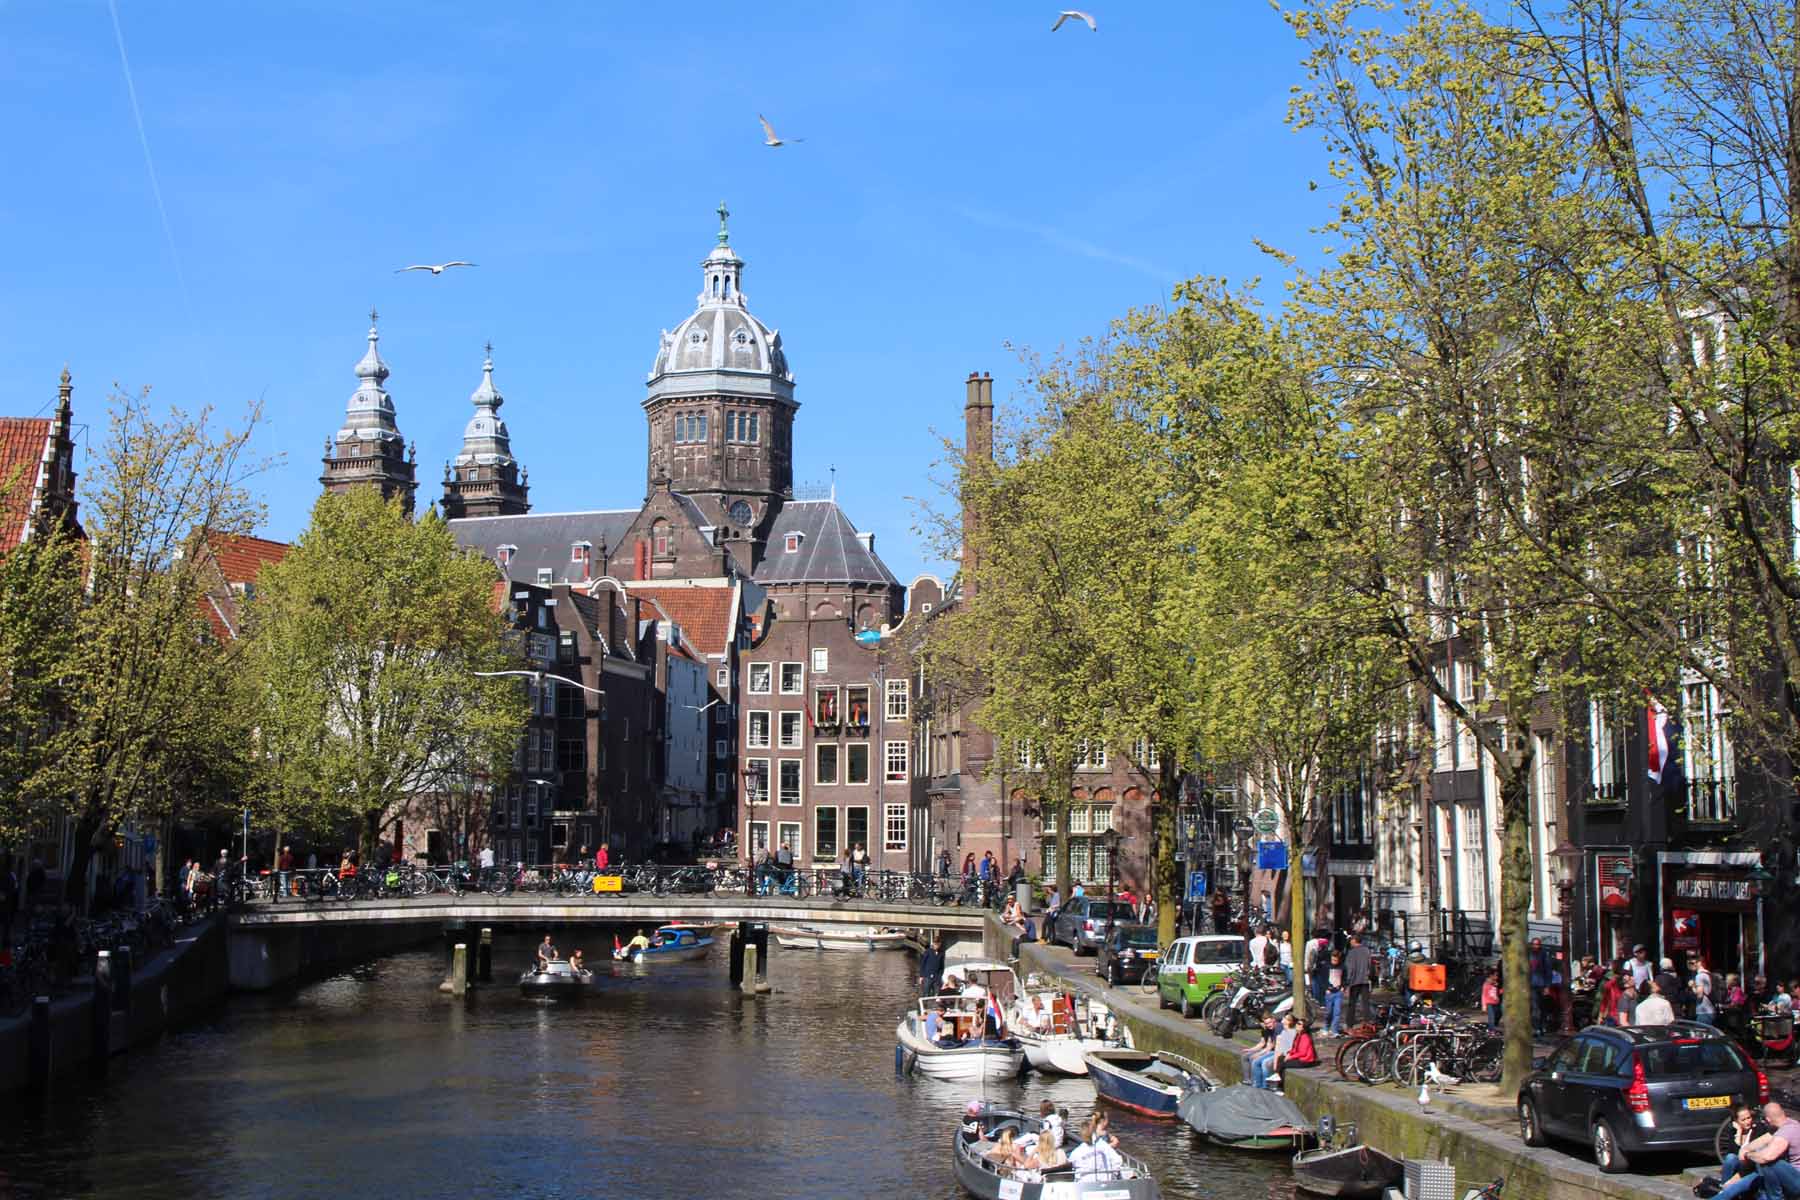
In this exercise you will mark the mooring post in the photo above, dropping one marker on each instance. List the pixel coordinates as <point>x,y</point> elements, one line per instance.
<point>121,1000</point>
<point>459,969</point>
<point>759,933</point>
<point>100,1013</point>
<point>739,938</point>
<point>38,1068</point>
<point>484,965</point>
<point>748,983</point>
<point>468,964</point>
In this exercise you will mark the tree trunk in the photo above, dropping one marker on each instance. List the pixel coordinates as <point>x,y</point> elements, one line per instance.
<point>75,889</point>
<point>1515,902</point>
<point>1297,927</point>
<point>1165,887</point>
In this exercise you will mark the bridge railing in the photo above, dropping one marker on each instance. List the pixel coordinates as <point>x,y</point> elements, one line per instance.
<point>403,881</point>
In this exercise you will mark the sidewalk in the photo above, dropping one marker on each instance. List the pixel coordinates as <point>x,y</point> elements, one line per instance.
<point>1474,1127</point>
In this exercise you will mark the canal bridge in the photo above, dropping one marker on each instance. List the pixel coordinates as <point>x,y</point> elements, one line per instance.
<point>270,944</point>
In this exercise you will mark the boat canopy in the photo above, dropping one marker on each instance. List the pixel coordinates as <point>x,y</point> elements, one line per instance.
<point>1240,1112</point>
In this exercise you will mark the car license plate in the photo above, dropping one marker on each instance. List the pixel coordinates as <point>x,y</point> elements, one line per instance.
<point>1707,1102</point>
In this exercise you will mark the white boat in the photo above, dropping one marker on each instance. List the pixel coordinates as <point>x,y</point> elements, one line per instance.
<point>963,1053</point>
<point>838,937</point>
<point>1058,1029</point>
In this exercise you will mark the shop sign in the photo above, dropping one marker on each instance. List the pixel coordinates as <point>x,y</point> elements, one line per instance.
<point>1271,856</point>
<point>1716,888</point>
<point>1615,881</point>
<point>1684,928</point>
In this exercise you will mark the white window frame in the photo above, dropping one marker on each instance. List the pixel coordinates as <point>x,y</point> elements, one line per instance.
<point>896,761</point>
<point>837,830</point>
<point>795,840</point>
<point>894,816</point>
<point>767,673</point>
<point>899,699</point>
<point>781,765</point>
<point>821,660</point>
<point>868,764</point>
<point>719,783</point>
<point>750,765</point>
<point>751,740</point>
<point>721,747</point>
<point>837,762</point>
<point>759,837</point>
<point>799,687</point>
<point>723,676</point>
<point>791,731</point>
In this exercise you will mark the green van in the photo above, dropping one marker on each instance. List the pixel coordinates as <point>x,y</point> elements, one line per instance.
<point>1192,966</point>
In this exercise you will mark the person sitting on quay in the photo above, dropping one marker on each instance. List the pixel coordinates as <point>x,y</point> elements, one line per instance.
<point>1264,1045</point>
<point>1774,1160</point>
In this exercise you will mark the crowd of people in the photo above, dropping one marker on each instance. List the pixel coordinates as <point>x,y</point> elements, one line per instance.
<point>1026,1156</point>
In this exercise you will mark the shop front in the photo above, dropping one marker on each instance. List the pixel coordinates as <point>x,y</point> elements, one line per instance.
<point>1613,887</point>
<point>1711,905</point>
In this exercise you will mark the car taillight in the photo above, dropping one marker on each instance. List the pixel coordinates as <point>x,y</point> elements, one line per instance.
<point>1088,924</point>
<point>1762,1087</point>
<point>1637,1096</point>
<point>1192,980</point>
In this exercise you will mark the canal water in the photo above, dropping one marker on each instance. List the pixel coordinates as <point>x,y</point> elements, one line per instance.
<point>664,1083</point>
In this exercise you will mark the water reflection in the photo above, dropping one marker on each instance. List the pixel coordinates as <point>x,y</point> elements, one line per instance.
<point>664,1082</point>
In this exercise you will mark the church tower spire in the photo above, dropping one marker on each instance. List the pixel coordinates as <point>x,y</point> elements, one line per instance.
<point>484,479</point>
<point>368,449</point>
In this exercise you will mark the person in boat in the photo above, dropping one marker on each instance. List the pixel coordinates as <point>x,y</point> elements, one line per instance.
<point>1096,1158</point>
<point>971,1126</point>
<point>993,1029</point>
<point>934,1026</point>
<point>1037,1017</point>
<point>657,939</point>
<point>1005,1152</point>
<point>952,985</point>
<point>640,942</point>
<point>1047,1155</point>
<point>546,953</point>
<point>1050,1125</point>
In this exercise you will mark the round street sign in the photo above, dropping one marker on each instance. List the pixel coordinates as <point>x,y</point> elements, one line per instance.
<point>1266,820</point>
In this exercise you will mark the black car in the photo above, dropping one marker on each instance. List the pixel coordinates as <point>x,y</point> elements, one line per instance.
<point>1127,954</point>
<point>1629,1091</point>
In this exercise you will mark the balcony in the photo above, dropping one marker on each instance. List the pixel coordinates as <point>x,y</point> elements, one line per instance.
<point>1711,801</point>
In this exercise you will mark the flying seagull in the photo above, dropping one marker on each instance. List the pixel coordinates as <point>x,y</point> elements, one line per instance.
<point>434,268</point>
<point>1075,14</point>
<point>769,138</point>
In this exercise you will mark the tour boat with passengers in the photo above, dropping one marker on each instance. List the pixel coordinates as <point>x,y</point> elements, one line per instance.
<point>670,943</point>
<point>972,1040</point>
<point>839,937</point>
<point>974,1152</point>
<point>1057,1029</point>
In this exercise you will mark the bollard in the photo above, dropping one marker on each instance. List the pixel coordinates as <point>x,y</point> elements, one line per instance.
<point>100,1012</point>
<point>759,937</point>
<point>484,958</point>
<point>121,962</point>
<point>738,939</point>
<point>749,981</point>
<point>459,968</point>
<point>38,1068</point>
<point>468,965</point>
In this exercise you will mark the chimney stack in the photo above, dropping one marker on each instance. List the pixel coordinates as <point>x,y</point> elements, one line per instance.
<point>978,447</point>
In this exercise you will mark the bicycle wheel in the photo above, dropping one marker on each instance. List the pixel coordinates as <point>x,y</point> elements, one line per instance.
<point>1345,1059</point>
<point>1486,1063</point>
<point>1409,1065</point>
<point>1149,983</point>
<point>1213,1005</point>
<point>1375,1061</point>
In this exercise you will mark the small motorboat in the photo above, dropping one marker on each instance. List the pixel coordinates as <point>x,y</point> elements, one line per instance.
<point>981,1177</point>
<point>670,943</point>
<point>1153,1084</point>
<point>557,979</point>
<point>1058,1029</point>
<point>839,937</point>
<point>964,1049</point>
<point>1241,1117</point>
<point>1350,1171</point>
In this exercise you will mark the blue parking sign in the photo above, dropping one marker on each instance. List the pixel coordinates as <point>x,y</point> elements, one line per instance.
<point>1196,885</point>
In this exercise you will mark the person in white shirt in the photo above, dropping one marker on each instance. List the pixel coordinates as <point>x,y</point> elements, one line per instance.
<point>1258,945</point>
<point>1050,1123</point>
<point>1641,967</point>
<point>486,858</point>
<point>1654,1009</point>
<point>1096,1159</point>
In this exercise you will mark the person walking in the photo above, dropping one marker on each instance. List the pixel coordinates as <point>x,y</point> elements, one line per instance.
<point>1316,963</point>
<point>1286,955</point>
<point>1221,911</point>
<point>943,861</point>
<point>1259,946</point>
<point>284,867</point>
<point>1334,995</point>
<point>859,865</point>
<point>1538,964</point>
<point>1641,966</point>
<point>1490,998</point>
<point>1705,1007</point>
<point>1356,979</point>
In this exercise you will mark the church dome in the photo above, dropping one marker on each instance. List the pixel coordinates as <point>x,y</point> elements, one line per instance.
<point>721,348</point>
<point>485,440</point>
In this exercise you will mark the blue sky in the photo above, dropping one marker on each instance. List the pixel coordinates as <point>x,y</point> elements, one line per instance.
<point>968,179</point>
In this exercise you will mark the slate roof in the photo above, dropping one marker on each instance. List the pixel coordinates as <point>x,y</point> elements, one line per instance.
<point>544,539</point>
<point>22,442</point>
<point>704,613</point>
<point>830,551</point>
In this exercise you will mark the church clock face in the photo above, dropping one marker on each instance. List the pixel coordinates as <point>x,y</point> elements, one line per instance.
<point>740,512</point>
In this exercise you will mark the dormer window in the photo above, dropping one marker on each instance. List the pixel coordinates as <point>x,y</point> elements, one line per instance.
<point>579,551</point>
<point>505,554</point>
<point>792,543</point>
<point>545,576</point>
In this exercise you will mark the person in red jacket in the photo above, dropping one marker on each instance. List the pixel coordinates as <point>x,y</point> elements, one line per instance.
<point>601,858</point>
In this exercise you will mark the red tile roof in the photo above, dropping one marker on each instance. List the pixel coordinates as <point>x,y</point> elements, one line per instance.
<point>22,442</point>
<point>240,556</point>
<point>704,613</point>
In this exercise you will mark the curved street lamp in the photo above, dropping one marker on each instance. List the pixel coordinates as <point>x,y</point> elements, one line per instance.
<point>1568,862</point>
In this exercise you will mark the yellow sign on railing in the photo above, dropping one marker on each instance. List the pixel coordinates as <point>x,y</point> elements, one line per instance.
<point>609,883</point>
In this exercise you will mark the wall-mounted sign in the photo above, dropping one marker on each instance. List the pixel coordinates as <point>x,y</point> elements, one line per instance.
<point>1266,820</point>
<point>1717,889</point>
<point>1271,856</point>
<point>1615,881</point>
<point>1684,929</point>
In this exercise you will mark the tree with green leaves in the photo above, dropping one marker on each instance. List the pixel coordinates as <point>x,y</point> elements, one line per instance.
<point>364,642</point>
<point>147,718</point>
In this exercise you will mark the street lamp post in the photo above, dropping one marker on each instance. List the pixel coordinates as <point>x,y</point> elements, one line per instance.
<point>1568,861</point>
<point>1112,839</point>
